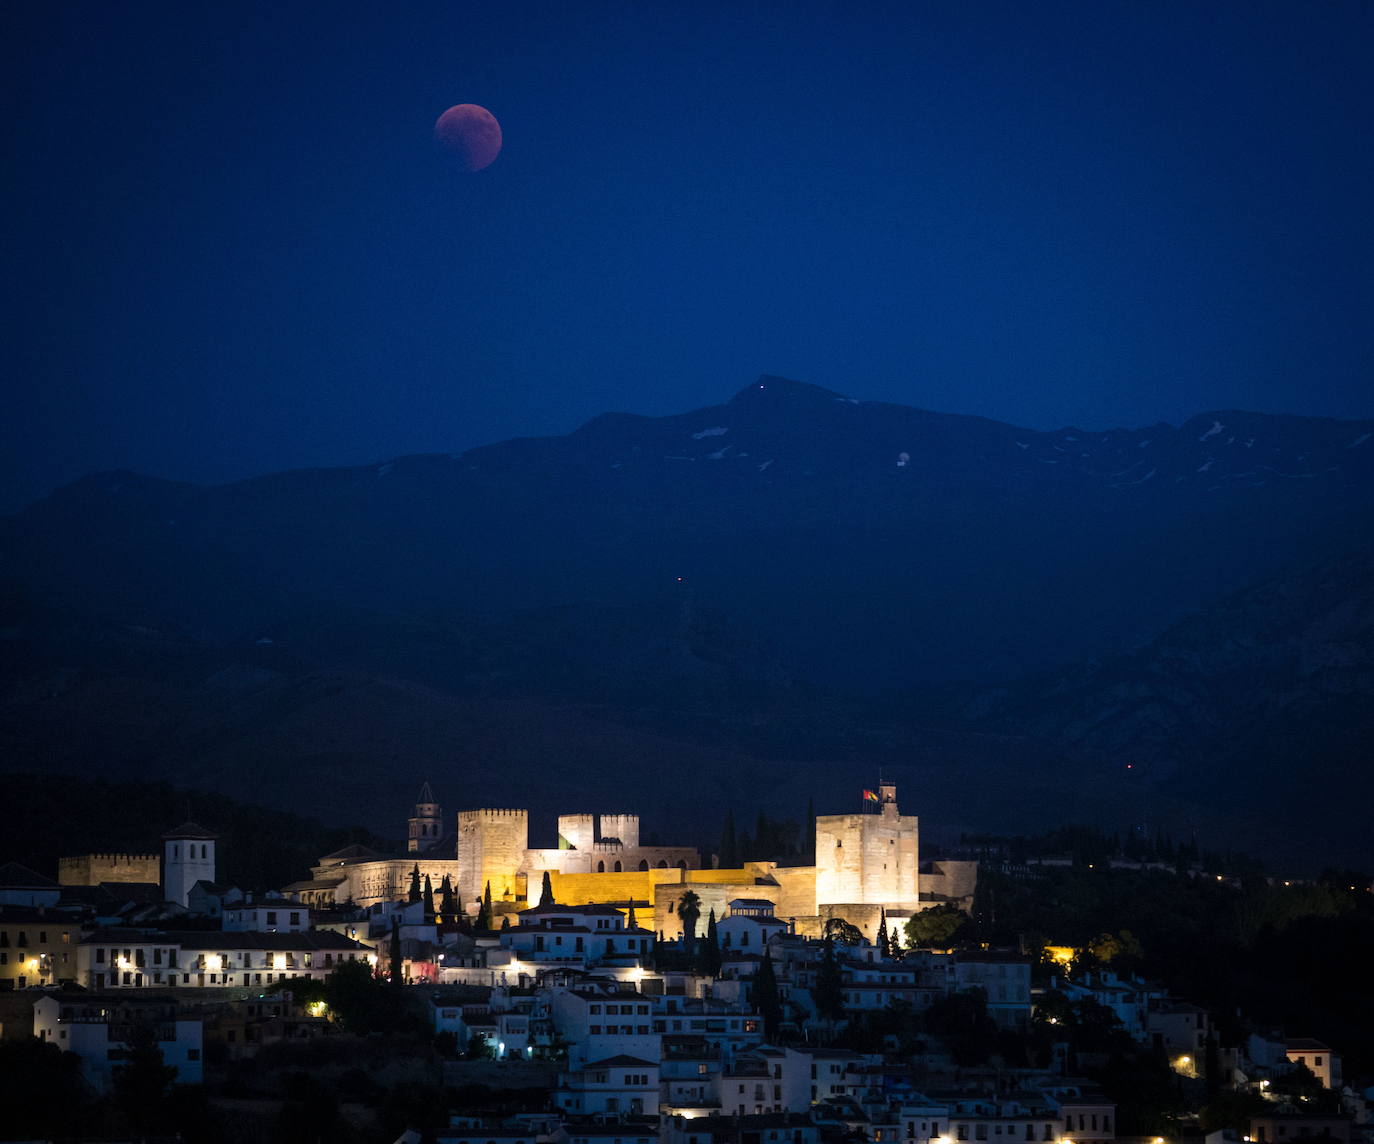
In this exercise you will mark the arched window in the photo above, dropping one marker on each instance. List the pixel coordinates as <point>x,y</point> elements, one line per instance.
<point>644,863</point>
<point>617,866</point>
<point>663,863</point>
<point>601,867</point>
<point>682,864</point>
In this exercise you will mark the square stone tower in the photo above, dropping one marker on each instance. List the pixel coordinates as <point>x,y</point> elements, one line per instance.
<point>869,859</point>
<point>622,826</point>
<point>491,848</point>
<point>576,831</point>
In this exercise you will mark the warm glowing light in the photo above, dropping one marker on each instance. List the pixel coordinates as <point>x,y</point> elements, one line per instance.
<point>279,961</point>
<point>317,1008</point>
<point>213,962</point>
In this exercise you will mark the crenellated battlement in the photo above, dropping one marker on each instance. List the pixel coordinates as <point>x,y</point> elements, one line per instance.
<point>487,814</point>
<point>123,859</point>
<point>92,869</point>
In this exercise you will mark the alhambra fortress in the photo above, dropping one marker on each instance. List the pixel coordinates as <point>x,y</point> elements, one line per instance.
<point>867,865</point>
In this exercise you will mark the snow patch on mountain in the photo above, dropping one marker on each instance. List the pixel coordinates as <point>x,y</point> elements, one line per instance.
<point>714,431</point>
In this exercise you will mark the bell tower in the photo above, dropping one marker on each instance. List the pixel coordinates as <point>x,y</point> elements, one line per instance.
<point>188,857</point>
<point>426,823</point>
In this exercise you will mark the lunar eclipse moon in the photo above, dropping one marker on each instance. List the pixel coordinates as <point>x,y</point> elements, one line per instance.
<point>471,134</point>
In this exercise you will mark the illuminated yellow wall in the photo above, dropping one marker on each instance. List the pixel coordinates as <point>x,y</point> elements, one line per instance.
<point>601,889</point>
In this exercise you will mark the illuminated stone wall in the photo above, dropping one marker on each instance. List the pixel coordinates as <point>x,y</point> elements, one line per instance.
<point>868,859</point>
<point>388,880</point>
<point>622,826</point>
<point>577,830</point>
<point>491,849</point>
<point>92,869</point>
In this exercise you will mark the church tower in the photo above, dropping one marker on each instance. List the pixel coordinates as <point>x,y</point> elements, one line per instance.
<point>188,857</point>
<point>426,824</point>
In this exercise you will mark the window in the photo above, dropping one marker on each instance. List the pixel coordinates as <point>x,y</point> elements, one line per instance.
<point>271,917</point>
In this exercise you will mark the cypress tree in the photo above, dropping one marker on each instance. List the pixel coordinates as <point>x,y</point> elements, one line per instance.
<point>484,914</point>
<point>729,843</point>
<point>708,952</point>
<point>429,899</point>
<point>413,895</point>
<point>446,903</point>
<point>546,891</point>
<point>766,997</point>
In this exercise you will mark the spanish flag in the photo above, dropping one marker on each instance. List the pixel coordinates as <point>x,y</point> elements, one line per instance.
<point>871,796</point>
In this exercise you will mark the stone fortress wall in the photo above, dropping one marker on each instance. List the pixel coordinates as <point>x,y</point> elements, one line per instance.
<point>93,869</point>
<point>866,865</point>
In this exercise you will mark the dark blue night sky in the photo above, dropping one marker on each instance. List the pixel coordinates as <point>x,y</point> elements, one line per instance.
<point>234,248</point>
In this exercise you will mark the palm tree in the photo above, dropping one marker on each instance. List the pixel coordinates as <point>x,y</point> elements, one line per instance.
<point>689,909</point>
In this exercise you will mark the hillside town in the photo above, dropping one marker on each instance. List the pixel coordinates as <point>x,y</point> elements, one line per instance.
<point>614,993</point>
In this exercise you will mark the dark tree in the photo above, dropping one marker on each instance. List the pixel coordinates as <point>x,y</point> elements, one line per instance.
<point>689,909</point>
<point>961,1020</point>
<point>884,945</point>
<point>485,918</point>
<point>729,842</point>
<point>829,993</point>
<point>429,899</point>
<point>413,895</point>
<point>142,1082</point>
<point>447,906</point>
<point>938,927</point>
<point>546,897</point>
<point>708,953</point>
<point>41,1089</point>
<point>767,999</point>
<point>394,952</point>
<point>838,929</point>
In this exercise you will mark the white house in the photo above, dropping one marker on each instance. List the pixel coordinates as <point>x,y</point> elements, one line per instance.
<point>270,915</point>
<point>576,935</point>
<point>601,1019</point>
<point>98,1028</point>
<point>139,959</point>
<point>617,1086</point>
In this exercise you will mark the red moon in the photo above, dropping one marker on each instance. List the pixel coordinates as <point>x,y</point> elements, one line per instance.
<point>471,133</point>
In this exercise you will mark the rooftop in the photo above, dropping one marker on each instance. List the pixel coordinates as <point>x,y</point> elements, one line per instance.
<point>189,830</point>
